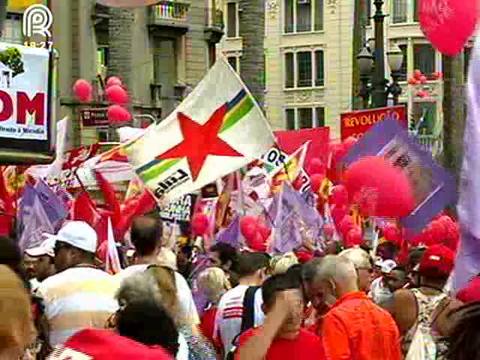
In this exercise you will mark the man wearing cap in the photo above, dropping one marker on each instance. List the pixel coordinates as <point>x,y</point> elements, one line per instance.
<point>379,292</point>
<point>39,262</point>
<point>428,305</point>
<point>80,295</point>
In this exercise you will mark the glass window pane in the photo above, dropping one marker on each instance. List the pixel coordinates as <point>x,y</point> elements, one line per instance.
<point>289,16</point>
<point>304,63</point>
<point>424,58</point>
<point>290,119</point>
<point>320,113</point>
<point>231,19</point>
<point>404,69</point>
<point>289,71</point>
<point>318,15</point>
<point>232,60</point>
<point>305,118</point>
<point>399,11</point>
<point>304,16</point>
<point>416,8</point>
<point>320,79</point>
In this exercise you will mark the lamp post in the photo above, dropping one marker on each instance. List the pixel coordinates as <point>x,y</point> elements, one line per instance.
<point>379,88</point>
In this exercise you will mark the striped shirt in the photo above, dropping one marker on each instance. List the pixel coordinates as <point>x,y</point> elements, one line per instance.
<point>77,298</point>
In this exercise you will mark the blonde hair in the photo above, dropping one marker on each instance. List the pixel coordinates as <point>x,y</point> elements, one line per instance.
<point>17,329</point>
<point>213,282</point>
<point>280,264</point>
<point>165,280</point>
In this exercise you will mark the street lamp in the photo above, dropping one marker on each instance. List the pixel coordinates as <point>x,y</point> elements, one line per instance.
<point>379,88</point>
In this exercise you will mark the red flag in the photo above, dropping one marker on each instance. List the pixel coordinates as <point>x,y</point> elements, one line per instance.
<point>111,202</point>
<point>84,209</point>
<point>137,206</point>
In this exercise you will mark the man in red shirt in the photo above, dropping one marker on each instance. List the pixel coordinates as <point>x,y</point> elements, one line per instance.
<point>354,328</point>
<point>282,335</point>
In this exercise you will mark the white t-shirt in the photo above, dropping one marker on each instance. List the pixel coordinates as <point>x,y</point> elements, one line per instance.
<point>184,294</point>
<point>228,321</point>
<point>77,298</point>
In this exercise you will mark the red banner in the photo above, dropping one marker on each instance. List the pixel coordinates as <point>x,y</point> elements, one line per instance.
<point>357,123</point>
<point>290,140</point>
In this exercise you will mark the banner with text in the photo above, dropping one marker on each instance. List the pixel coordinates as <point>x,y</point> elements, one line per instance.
<point>357,123</point>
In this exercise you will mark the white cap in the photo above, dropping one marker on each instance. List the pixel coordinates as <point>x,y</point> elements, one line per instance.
<point>78,234</point>
<point>387,266</point>
<point>45,248</point>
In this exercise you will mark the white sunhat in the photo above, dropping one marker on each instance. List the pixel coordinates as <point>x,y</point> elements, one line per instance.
<point>387,266</point>
<point>45,248</point>
<point>78,234</point>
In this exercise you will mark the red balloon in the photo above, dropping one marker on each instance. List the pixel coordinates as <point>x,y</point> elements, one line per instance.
<point>328,230</point>
<point>200,224</point>
<point>448,24</point>
<point>338,214</point>
<point>375,179</point>
<point>316,182</point>
<point>417,74</point>
<point>354,237</point>
<point>83,90</point>
<point>257,243</point>
<point>249,226</point>
<point>423,79</point>
<point>116,95</point>
<point>117,114</point>
<point>316,166</point>
<point>392,233</point>
<point>339,195</point>
<point>113,80</point>
<point>412,81</point>
<point>265,231</point>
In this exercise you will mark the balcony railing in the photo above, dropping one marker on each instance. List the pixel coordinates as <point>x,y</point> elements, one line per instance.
<point>171,11</point>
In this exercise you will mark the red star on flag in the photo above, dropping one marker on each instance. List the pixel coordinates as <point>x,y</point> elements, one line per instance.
<point>200,141</point>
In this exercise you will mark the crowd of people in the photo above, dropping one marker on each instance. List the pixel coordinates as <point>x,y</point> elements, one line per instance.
<point>57,302</point>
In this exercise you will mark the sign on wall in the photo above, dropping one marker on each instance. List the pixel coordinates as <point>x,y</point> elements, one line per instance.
<point>357,123</point>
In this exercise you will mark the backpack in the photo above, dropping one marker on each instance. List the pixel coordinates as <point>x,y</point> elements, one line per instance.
<point>423,345</point>
<point>248,318</point>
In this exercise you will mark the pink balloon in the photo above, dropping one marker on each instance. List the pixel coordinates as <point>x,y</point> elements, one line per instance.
<point>412,81</point>
<point>392,233</point>
<point>117,114</point>
<point>249,226</point>
<point>116,95</point>
<point>448,24</point>
<point>423,79</point>
<point>417,74</point>
<point>83,90</point>
<point>316,182</point>
<point>200,224</point>
<point>113,80</point>
<point>339,195</point>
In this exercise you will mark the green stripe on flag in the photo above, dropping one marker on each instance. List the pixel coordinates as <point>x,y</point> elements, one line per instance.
<point>157,170</point>
<point>238,113</point>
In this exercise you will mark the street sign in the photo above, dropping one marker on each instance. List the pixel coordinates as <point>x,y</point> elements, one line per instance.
<point>94,117</point>
<point>357,123</point>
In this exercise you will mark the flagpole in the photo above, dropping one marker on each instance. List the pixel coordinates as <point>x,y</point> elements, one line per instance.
<point>84,189</point>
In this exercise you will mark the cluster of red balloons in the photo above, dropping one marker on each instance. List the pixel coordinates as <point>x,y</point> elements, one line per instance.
<point>392,233</point>
<point>443,230</point>
<point>337,153</point>
<point>115,94</point>
<point>317,170</point>
<point>255,232</point>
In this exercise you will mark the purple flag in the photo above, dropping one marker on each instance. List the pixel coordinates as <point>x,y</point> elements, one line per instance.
<point>54,207</point>
<point>467,263</point>
<point>294,221</point>
<point>231,235</point>
<point>34,225</point>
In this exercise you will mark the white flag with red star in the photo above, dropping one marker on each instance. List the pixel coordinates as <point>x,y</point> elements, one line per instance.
<point>216,130</point>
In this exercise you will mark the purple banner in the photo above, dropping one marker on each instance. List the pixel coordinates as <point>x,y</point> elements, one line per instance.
<point>434,188</point>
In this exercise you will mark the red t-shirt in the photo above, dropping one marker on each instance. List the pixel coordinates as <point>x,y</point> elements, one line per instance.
<point>207,323</point>
<point>306,346</point>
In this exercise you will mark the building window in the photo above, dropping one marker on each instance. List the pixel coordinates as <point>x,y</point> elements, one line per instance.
<point>319,68</point>
<point>466,62</point>
<point>304,64</point>
<point>304,69</point>
<point>290,119</point>
<point>233,61</point>
<point>232,20</point>
<point>424,58</point>
<point>304,117</point>
<point>303,15</point>
<point>416,9</point>
<point>289,71</point>
<point>102,60</point>
<point>400,11</point>
<point>404,69</point>
<point>12,29</point>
